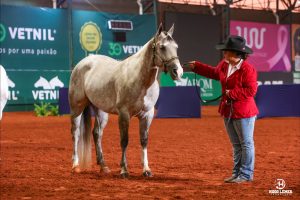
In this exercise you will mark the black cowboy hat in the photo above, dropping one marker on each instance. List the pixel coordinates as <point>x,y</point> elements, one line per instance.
<point>234,43</point>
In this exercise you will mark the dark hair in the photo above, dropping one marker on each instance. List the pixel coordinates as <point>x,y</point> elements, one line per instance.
<point>242,55</point>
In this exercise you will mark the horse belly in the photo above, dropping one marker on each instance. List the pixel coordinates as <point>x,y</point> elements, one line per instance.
<point>105,105</point>
<point>103,98</point>
<point>100,88</point>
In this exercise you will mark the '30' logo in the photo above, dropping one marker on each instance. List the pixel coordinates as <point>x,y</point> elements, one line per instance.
<point>115,49</point>
<point>2,32</point>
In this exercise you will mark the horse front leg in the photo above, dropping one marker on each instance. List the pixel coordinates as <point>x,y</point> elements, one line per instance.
<point>100,123</point>
<point>145,122</point>
<point>124,119</point>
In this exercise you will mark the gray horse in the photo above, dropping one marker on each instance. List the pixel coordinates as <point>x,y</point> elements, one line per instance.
<point>127,88</point>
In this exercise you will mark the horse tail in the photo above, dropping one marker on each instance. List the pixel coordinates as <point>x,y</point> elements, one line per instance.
<point>84,144</point>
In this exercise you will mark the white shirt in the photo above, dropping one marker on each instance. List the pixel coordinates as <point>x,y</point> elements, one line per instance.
<point>232,69</point>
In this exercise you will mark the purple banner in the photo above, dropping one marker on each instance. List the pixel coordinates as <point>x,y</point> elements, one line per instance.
<point>270,43</point>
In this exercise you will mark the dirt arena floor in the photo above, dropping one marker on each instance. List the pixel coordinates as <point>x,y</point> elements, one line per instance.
<point>188,157</point>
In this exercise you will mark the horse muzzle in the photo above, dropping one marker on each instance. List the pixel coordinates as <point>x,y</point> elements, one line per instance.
<point>176,72</point>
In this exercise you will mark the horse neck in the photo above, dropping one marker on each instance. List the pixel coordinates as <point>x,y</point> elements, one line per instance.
<point>146,68</point>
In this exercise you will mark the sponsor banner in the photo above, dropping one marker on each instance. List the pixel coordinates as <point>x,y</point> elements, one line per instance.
<point>270,43</point>
<point>296,46</point>
<point>36,40</point>
<point>91,34</point>
<point>35,53</point>
<point>296,77</point>
<point>28,87</point>
<point>274,78</point>
<point>209,88</point>
<point>34,48</point>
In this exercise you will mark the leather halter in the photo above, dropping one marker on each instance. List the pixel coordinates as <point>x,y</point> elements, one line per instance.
<point>164,62</point>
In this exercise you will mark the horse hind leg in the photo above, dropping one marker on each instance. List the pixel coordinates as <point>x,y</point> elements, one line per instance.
<point>76,123</point>
<point>75,131</point>
<point>145,122</point>
<point>101,119</point>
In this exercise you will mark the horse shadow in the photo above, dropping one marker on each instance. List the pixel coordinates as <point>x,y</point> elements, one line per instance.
<point>157,178</point>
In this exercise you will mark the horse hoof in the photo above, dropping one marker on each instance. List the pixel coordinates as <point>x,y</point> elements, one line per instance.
<point>147,174</point>
<point>76,170</point>
<point>105,170</point>
<point>125,175</point>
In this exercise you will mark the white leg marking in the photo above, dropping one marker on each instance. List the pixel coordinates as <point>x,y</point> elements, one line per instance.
<point>145,160</point>
<point>76,134</point>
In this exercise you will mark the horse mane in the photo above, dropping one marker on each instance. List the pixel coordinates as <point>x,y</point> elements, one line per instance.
<point>145,48</point>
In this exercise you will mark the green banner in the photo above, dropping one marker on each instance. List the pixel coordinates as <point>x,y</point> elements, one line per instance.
<point>34,51</point>
<point>34,48</point>
<point>27,87</point>
<point>91,34</point>
<point>209,88</point>
<point>296,76</point>
<point>37,39</point>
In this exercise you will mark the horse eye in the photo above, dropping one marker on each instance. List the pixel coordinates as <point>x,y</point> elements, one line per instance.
<point>162,47</point>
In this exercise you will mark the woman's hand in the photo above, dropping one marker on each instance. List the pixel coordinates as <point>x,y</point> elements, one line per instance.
<point>227,93</point>
<point>190,65</point>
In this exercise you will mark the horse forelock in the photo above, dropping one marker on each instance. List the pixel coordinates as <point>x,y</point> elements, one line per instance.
<point>165,38</point>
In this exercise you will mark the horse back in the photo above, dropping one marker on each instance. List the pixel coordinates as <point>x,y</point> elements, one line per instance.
<point>92,80</point>
<point>109,84</point>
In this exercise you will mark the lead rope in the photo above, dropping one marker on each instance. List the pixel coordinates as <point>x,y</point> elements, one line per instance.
<point>231,104</point>
<point>230,113</point>
<point>198,94</point>
<point>211,100</point>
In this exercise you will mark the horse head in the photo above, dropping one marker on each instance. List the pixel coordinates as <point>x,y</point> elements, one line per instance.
<point>165,53</point>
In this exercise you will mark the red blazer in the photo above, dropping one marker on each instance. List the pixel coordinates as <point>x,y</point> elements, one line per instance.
<point>242,85</point>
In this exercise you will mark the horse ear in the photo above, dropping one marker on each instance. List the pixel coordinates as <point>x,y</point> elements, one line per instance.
<point>159,30</point>
<point>170,32</point>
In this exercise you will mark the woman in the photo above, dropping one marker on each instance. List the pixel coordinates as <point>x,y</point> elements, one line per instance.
<point>239,85</point>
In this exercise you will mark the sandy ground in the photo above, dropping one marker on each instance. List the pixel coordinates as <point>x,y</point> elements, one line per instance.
<point>188,157</point>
